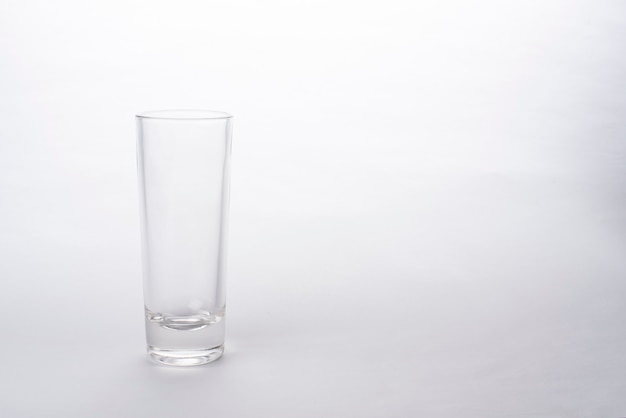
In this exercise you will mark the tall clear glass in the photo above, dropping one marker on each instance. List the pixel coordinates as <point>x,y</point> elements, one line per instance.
<point>183,159</point>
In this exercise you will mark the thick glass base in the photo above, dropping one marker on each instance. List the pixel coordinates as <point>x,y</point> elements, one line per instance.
<point>190,340</point>
<point>185,357</point>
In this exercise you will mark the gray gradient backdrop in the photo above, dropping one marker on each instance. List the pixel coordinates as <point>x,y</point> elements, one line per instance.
<point>428,213</point>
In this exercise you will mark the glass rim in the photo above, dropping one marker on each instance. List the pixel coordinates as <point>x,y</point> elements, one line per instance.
<point>184,114</point>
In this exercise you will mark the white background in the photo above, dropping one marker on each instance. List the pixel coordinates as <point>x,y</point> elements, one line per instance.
<point>428,214</point>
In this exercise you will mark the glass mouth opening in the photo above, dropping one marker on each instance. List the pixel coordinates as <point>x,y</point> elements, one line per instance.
<point>184,114</point>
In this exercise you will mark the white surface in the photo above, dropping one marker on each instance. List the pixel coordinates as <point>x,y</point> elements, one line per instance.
<point>428,207</point>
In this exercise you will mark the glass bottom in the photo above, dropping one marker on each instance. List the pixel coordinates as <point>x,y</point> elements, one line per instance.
<point>185,357</point>
<point>190,340</point>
